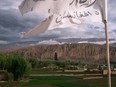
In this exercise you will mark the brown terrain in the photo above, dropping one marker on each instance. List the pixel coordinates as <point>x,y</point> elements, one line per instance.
<point>90,53</point>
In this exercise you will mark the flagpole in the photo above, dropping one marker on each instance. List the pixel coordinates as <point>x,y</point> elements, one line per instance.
<point>107,53</point>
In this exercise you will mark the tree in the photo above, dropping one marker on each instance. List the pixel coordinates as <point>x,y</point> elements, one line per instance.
<point>15,64</point>
<point>33,62</point>
<point>19,67</point>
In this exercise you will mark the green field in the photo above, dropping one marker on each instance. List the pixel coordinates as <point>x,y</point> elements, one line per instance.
<point>59,81</point>
<point>55,81</point>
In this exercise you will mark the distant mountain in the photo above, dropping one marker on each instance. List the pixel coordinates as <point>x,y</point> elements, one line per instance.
<point>18,45</point>
<point>89,53</point>
<point>76,40</point>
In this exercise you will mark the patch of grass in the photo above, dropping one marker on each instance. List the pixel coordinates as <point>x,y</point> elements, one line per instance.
<point>11,84</point>
<point>49,80</point>
<point>62,81</point>
<point>63,72</point>
<point>53,77</point>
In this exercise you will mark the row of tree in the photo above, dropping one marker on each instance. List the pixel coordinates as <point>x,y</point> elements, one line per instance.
<point>71,65</point>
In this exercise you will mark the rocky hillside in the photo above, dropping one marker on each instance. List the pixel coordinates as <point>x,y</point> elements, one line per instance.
<point>90,53</point>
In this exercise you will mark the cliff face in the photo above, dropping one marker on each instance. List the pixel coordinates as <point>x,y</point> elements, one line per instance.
<point>90,53</point>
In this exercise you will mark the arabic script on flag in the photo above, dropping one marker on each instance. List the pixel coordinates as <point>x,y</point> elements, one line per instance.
<point>65,13</point>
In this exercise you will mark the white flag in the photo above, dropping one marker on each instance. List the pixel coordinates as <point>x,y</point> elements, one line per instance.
<point>39,28</point>
<point>103,9</point>
<point>43,6</point>
<point>65,13</point>
<point>26,6</point>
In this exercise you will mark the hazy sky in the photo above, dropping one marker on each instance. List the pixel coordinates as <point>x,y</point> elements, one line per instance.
<point>12,23</point>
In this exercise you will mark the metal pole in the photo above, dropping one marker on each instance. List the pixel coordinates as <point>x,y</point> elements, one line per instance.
<point>108,53</point>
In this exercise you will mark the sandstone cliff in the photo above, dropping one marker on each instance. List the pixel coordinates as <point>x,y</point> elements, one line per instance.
<point>90,53</point>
